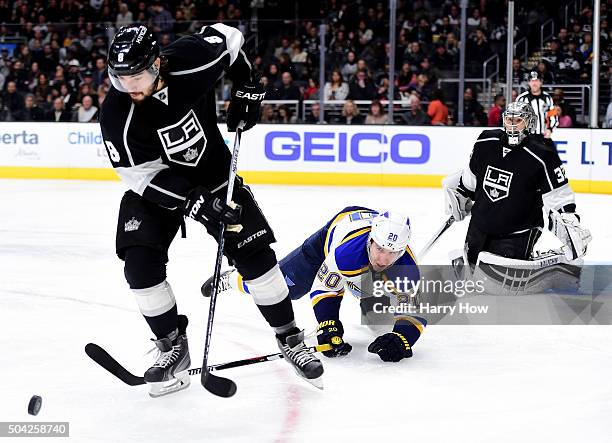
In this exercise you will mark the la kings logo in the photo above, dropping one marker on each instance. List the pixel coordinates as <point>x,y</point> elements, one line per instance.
<point>496,183</point>
<point>184,141</point>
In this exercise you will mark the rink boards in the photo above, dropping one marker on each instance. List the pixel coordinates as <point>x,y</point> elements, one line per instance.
<point>306,154</point>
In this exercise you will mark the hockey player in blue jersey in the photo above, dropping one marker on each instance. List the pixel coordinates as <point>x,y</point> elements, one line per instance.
<point>356,246</point>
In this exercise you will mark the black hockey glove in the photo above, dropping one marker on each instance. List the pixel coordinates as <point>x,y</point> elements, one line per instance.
<point>391,346</point>
<point>331,332</point>
<point>203,206</point>
<point>245,105</point>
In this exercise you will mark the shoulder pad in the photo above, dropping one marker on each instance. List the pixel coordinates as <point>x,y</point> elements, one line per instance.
<point>352,254</point>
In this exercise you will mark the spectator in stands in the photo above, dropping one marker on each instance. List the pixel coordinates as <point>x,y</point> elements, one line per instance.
<point>495,113</point>
<point>298,55</point>
<point>422,33</point>
<point>607,123</point>
<point>336,88</point>
<point>73,77</point>
<point>273,75</point>
<point>314,114</point>
<point>586,48</point>
<point>362,88</point>
<point>437,110</point>
<point>312,91</point>
<point>87,113</point>
<point>20,76</point>
<point>563,37</point>
<point>452,46</point>
<point>268,114</point>
<point>349,69</point>
<point>285,64</point>
<point>405,77</point>
<point>568,109</point>
<point>430,71</point>
<point>288,90</point>
<point>545,73</point>
<point>376,116</point>
<point>416,116</point>
<point>565,121</point>
<point>284,48</point>
<point>473,20</point>
<point>350,114</point>
<point>162,18</point>
<point>41,87</point>
<point>569,67</point>
<point>473,112</point>
<point>12,100</point>
<point>415,54</point>
<point>519,74</point>
<point>422,86</point>
<point>100,73</point>
<point>30,112</point>
<point>441,58</point>
<point>285,115</point>
<point>554,54</point>
<point>478,50</point>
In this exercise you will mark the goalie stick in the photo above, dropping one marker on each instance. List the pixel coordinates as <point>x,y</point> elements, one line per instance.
<point>106,361</point>
<point>447,224</point>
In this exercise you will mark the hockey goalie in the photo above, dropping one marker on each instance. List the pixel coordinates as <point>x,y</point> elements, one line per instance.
<point>511,180</point>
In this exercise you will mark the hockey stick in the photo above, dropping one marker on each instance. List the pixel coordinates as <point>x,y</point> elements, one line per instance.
<point>106,361</point>
<point>447,224</point>
<point>223,387</point>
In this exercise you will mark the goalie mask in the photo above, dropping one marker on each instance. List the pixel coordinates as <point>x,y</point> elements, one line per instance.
<point>131,59</point>
<point>519,120</point>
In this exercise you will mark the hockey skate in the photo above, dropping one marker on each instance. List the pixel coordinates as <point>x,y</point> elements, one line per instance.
<point>303,361</point>
<point>225,283</point>
<point>170,372</point>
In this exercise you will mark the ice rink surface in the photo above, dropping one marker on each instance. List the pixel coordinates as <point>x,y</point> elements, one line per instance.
<point>62,286</point>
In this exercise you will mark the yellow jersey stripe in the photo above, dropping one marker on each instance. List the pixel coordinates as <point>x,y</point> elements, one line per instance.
<point>333,224</point>
<point>320,297</point>
<point>355,272</point>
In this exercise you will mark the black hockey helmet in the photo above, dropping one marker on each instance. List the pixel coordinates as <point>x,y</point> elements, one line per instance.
<point>133,51</point>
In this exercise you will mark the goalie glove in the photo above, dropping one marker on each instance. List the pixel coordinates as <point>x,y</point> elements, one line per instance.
<point>566,227</point>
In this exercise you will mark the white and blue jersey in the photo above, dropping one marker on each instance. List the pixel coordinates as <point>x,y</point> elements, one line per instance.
<point>335,259</point>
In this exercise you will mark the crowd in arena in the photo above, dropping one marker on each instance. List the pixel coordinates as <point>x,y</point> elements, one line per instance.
<point>53,56</point>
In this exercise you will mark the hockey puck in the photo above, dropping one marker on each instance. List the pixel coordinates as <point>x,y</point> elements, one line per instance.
<point>34,405</point>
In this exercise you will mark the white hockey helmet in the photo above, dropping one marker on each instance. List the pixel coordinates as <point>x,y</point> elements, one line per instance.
<point>391,230</point>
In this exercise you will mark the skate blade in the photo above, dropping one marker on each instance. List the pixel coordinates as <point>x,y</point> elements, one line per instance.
<point>316,382</point>
<point>180,382</point>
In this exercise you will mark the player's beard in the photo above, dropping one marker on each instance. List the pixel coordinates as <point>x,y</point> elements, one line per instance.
<point>139,97</point>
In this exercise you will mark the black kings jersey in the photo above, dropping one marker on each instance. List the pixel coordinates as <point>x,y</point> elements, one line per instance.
<point>510,185</point>
<point>166,145</point>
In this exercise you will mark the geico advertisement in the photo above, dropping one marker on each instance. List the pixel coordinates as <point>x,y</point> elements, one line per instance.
<point>586,154</point>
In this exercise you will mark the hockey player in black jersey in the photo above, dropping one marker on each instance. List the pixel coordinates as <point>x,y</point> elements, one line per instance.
<point>159,126</point>
<point>511,175</point>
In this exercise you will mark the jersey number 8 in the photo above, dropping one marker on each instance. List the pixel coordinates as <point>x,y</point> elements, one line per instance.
<point>112,151</point>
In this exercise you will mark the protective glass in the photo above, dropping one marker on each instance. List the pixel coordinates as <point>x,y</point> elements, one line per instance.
<point>139,82</point>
